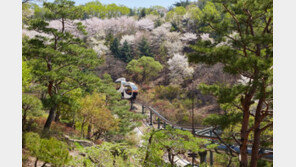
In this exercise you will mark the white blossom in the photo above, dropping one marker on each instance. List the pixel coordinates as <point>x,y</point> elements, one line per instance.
<point>101,27</point>
<point>159,34</point>
<point>99,46</point>
<point>206,37</point>
<point>69,26</point>
<point>244,80</point>
<point>188,37</point>
<point>179,68</point>
<point>174,47</point>
<point>130,39</point>
<point>32,33</point>
<point>173,36</point>
<point>151,17</point>
<point>145,24</point>
<point>101,49</point>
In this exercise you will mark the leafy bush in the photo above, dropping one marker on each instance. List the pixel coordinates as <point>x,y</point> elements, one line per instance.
<point>170,92</point>
<point>50,150</point>
<point>108,154</point>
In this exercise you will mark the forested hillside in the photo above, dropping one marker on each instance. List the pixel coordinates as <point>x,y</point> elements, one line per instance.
<point>201,64</point>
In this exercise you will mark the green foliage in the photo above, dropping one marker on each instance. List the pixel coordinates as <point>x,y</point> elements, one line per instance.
<point>96,115</point>
<point>224,93</point>
<point>144,68</point>
<point>175,16</point>
<point>182,3</point>
<point>109,154</point>
<point>31,105</point>
<point>169,92</point>
<point>127,120</point>
<point>32,142</point>
<point>142,13</point>
<point>26,75</point>
<point>224,160</point>
<point>70,106</point>
<point>242,42</point>
<point>144,48</point>
<point>48,150</point>
<point>39,12</point>
<point>26,12</point>
<point>114,47</point>
<point>62,9</point>
<point>173,142</point>
<point>97,9</point>
<point>223,121</point>
<point>60,62</point>
<point>126,52</point>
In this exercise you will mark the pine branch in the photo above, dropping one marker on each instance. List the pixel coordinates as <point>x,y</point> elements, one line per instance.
<point>221,140</point>
<point>267,126</point>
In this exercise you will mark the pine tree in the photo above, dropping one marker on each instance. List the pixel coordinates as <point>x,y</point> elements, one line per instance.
<point>144,68</point>
<point>60,62</point>
<point>126,52</point>
<point>144,48</point>
<point>142,13</point>
<point>244,45</point>
<point>114,47</point>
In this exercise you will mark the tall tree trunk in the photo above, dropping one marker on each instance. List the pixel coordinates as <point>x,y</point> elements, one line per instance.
<point>192,115</point>
<point>57,116</point>
<point>73,122</point>
<point>35,164</point>
<point>88,131</point>
<point>24,121</point>
<point>255,148</point>
<point>244,138</point>
<point>82,131</point>
<point>258,121</point>
<point>50,118</point>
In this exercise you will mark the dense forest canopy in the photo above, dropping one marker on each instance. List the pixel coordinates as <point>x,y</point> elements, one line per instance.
<point>206,63</point>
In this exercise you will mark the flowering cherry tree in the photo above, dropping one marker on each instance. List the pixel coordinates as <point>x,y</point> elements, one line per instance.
<point>179,68</point>
<point>130,39</point>
<point>145,24</point>
<point>188,37</point>
<point>101,27</point>
<point>174,47</point>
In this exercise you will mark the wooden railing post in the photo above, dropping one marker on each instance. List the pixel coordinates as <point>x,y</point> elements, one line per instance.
<point>211,152</point>
<point>143,109</point>
<point>203,157</point>
<point>151,113</point>
<point>158,123</point>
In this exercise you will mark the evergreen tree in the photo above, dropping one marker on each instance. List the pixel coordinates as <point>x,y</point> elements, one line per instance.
<point>132,12</point>
<point>114,47</point>
<point>127,120</point>
<point>126,52</point>
<point>244,45</point>
<point>109,39</point>
<point>144,48</point>
<point>142,13</point>
<point>144,68</point>
<point>60,62</point>
<point>182,3</point>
